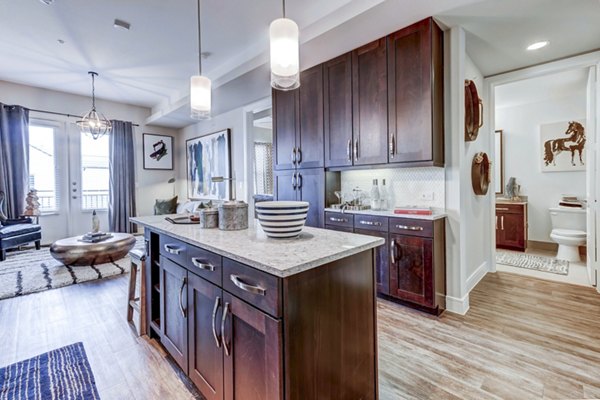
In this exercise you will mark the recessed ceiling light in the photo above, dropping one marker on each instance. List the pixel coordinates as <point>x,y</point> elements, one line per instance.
<point>47,2</point>
<point>60,41</point>
<point>120,24</point>
<point>538,45</point>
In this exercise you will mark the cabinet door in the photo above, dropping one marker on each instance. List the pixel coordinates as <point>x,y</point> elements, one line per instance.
<point>173,311</point>
<point>337,92</point>
<point>409,91</point>
<point>310,137</point>
<point>252,342</point>
<point>284,185</point>
<point>205,302</point>
<point>512,227</point>
<point>285,121</point>
<point>369,102</point>
<point>382,261</point>
<point>311,186</point>
<point>411,269</point>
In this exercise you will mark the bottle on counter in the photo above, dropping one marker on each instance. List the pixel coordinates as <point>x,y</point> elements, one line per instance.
<point>375,199</point>
<point>383,196</point>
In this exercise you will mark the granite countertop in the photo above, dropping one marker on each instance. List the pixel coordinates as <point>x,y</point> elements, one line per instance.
<point>437,214</point>
<point>280,257</point>
<point>500,200</point>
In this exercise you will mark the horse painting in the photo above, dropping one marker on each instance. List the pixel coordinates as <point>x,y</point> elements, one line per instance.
<point>575,142</point>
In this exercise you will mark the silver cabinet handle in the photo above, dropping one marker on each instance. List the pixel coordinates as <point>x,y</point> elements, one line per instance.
<point>392,251</point>
<point>502,209</point>
<point>370,223</point>
<point>299,155</point>
<point>299,180</point>
<point>214,322</point>
<point>183,310</point>
<point>294,155</point>
<point>496,222</point>
<point>502,222</point>
<point>333,219</point>
<point>223,319</point>
<point>246,287</point>
<point>356,149</point>
<point>349,150</point>
<point>171,249</point>
<point>294,183</point>
<point>198,263</point>
<point>409,228</point>
<point>392,145</point>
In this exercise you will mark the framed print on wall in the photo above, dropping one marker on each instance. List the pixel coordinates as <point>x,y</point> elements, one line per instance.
<point>158,151</point>
<point>562,146</point>
<point>207,157</point>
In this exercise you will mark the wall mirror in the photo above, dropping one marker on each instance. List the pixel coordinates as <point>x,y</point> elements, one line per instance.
<point>498,163</point>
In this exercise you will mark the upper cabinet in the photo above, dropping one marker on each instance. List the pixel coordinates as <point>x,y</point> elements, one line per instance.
<point>285,122</point>
<point>416,95</point>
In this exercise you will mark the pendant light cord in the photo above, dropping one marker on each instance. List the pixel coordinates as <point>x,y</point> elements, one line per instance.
<point>283,8</point>
<point>199,43</point>
<point>93,91</point>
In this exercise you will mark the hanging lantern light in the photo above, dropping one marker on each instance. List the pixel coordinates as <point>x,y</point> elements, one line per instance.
<point>285,53</point>
<point>94,123</point>
<point>200,86</point>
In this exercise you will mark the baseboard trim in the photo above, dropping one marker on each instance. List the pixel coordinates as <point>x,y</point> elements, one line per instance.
<point>457,305</point>
<point>477,276</point>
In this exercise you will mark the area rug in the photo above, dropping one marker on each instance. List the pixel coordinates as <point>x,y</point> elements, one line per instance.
<point>528,261</point>
<point>30,271</point>
<point>63,373</point>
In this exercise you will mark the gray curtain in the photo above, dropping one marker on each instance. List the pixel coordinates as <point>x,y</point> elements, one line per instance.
<point>122,177</point>
<point>14,158</point>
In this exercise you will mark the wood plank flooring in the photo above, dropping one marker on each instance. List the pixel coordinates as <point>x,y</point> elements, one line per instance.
<point>523,338</point>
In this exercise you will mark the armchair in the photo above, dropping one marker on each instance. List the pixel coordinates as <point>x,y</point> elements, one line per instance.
<point>17,231</point>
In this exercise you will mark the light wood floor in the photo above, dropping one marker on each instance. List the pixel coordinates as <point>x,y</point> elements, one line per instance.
<point>523,338</point>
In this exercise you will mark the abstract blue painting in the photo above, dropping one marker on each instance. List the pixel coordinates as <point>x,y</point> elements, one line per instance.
<point>207,157</point>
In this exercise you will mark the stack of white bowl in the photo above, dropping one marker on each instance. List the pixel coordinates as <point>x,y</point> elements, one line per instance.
<point>282,219</point>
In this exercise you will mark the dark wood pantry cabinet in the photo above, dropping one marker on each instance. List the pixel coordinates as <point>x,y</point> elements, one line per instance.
<point>303,185</point>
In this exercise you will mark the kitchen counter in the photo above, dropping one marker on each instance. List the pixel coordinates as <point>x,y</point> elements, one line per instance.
<point>279,257</point>
<point>437,214</point>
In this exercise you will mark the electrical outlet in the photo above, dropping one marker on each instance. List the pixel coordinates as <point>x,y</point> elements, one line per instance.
<point>427,196</point>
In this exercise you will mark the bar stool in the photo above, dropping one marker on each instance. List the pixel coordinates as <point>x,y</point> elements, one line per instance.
<point>136,299</point>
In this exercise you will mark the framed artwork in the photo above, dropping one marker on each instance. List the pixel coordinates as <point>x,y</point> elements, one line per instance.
<point>208,157</point>
<point>562,146</point>
<point>158,151</point>
<point>499,162</point>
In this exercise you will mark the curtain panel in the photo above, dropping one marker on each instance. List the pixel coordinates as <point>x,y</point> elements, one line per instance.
<point>14,158</point>
<point>122,177</point>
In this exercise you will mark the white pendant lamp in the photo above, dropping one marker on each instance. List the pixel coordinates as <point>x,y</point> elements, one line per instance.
<point>200,86</point>
<point>94,123</point>
<point>285,53</point>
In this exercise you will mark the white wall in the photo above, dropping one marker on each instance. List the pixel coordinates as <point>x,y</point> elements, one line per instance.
<point>150,184</point>
<point>521,130</point>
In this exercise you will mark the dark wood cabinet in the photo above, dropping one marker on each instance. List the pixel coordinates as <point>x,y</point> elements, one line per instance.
<point>382,262</point>
<point>411,269</point>
<point>369,104</point>
<point>511,226</point>
<point>285,123</point>
<point>416,95</point>
<point>337,93</point>
<point>305,185</point>
<point>252,345</point>
<point>173,311</point>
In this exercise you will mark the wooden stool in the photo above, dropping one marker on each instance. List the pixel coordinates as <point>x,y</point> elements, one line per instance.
<point>137,302</point>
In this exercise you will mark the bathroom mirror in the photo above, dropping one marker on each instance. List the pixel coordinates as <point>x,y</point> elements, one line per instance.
<point>498,163</point>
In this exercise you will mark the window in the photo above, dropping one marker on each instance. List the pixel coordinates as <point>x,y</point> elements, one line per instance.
<point>42,166</point>
<point>94,173</point>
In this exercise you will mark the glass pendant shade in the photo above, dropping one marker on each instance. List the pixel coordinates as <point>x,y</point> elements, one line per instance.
<point>285,54</point>
<point>200,97</point>
<point>94,124</point>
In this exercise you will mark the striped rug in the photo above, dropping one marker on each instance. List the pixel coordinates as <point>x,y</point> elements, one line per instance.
<point>63,374</point>
<point>30,271</point>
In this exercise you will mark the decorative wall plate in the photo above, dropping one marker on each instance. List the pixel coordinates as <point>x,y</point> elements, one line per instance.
<point>473,111</point>
<point>480,173</point>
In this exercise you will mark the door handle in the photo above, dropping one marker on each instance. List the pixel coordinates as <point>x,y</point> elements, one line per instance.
<point>502,222</point>
<point>294,181</point>
<point>356,150</point>
<point>183,310</point>
<point>299,155</point>
<point>392,145</point>
<point>392,252</point>
<point>223,339</point>
<point>198,263</point>
<point>496,222</point>
<point>294,155</point>
<point>214,321</point>
<point>169,248</point>
<point>299,180</point>
<point>246,287</point>
<point>349,150</point>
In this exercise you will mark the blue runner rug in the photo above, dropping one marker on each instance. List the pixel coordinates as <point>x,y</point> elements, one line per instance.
<point>63,374</point>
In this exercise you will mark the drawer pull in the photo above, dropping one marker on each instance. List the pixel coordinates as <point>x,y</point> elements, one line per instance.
<point>214,322</point>
<point>198,263</point>
<point>371,223</point>
<point>246,287</point>
<point>502,209</point>
<point>172,249</point>
<point>223,339</point>
<point>333,219</point>
<point>410,228</point>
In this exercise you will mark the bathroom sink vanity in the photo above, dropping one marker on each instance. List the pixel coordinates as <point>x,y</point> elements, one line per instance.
<point>511,225</point>
<point>248,317</point>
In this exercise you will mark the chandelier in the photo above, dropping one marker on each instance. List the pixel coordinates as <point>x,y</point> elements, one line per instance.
<point>94,123</point>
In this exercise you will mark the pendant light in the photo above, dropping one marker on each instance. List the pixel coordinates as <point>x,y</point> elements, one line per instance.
<point>94,123</point>
<point>200,86</point>
<point>285,53</point>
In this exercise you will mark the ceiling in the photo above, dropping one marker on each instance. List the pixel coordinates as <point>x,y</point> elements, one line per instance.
<point>150,65</point>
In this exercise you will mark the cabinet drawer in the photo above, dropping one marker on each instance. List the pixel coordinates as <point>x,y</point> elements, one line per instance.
<point>510,208</point>
<point>205,264</point>
<point>340,228</point>
<point>174,249</point>
<point>339,219</point>
<point>414,227</point>
<point>258,288</point>
<point>371,222</point>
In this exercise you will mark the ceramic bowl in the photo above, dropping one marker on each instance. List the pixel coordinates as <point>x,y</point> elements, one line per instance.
<point>282,219</point>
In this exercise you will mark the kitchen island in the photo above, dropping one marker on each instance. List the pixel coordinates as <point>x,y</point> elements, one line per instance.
<point>249,317</point>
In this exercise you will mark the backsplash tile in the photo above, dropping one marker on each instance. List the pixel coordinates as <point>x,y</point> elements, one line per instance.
<point>405,185</point>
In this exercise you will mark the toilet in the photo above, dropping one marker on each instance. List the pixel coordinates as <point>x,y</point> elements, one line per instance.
<point>569,231</point>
